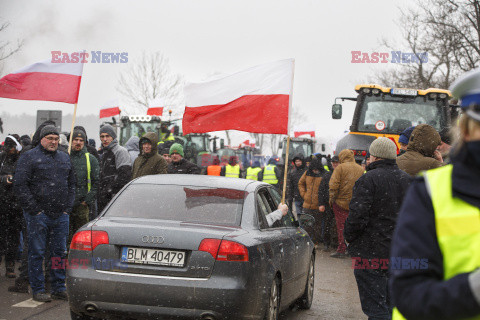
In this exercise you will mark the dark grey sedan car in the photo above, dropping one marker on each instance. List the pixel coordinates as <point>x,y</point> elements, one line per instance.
<point>190,246</point>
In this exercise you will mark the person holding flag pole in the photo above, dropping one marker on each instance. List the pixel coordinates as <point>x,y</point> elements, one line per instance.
<point>256,100</point>
<point>44,179</point>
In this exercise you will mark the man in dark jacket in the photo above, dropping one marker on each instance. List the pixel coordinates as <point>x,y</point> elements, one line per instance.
<point>115,166</point>
<point>88,173</point>
<point>10,211</point>
<point>45,187</point>
<point>377,197</point>
<point>293,194</point>
<point>179,165</point>
<point>149,161</point>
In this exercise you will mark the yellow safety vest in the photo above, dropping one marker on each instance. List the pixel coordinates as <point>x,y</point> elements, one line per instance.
<point>269,175</point>
<point>89,168</point>
<point>326,168</point>
<point>252,173</point>
<point>457,225</point>
<point>232,171</point>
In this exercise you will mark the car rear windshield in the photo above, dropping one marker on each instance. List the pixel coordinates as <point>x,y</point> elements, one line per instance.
<point>180,203</point>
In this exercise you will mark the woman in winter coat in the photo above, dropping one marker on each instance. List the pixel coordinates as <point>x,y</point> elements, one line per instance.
<point>308,186</point>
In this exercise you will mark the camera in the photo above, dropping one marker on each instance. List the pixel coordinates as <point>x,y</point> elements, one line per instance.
<point>10,179</point>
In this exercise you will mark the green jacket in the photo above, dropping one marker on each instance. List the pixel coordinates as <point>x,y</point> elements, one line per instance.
<point>151,163</point>
<point>79,162</point>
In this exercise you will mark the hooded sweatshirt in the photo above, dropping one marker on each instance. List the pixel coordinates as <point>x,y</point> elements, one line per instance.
<point>149,163</point>
<point>421,147</point>
<point>343,179</point>
<point>133,147</point>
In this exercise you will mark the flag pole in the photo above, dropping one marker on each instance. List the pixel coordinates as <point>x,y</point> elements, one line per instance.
<point>71,130</point>
<point>290,105</point>
<point>286,169</point>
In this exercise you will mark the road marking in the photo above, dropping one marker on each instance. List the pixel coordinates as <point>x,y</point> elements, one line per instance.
<point>30,303</point>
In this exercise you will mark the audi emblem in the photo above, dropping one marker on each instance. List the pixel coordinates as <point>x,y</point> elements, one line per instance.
<point>153,239</point>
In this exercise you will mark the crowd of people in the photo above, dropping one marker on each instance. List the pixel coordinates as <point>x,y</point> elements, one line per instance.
<point>418,205</point>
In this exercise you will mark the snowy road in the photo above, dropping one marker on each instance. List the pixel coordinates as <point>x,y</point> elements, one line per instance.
<point>336,297</point>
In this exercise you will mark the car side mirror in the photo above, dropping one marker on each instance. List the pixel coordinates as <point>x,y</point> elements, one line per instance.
<point>337,111</point>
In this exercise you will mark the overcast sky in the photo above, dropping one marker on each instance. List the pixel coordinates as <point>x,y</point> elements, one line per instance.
<point>205,37</point>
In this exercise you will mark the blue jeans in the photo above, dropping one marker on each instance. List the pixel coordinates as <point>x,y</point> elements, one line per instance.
<point>40,228</point>
<point>299,206</point>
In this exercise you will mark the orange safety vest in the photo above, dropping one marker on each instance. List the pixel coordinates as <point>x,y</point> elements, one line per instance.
<point>214,170</point>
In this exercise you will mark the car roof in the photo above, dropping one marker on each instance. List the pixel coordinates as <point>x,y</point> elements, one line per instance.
<point>199,181</point>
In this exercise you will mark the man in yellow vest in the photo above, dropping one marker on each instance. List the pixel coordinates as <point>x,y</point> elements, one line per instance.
<point>255,172</point>
<point>232,169</point>
<point>271,174</point>
<point>435,264</point>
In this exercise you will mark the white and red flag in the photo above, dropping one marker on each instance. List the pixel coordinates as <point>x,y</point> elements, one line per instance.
<point>254,100</point>
<point>306,129</point>
<point>110,109</point>
<point>156,107</point>
<point>45,81</point>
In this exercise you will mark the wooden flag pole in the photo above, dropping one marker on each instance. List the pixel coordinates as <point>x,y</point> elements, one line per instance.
<point>286,170</point>
<point>71,130</point>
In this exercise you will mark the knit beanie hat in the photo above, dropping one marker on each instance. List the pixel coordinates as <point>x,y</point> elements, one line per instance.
<point>383,148</point>
<point>108,129</point>
<point>405,135</point>
<point>176,147</point>
<point>79,134</point>
<point>48,130</point>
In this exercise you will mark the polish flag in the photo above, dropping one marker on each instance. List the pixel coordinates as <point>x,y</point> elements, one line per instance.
<point>44,81</point>
<point>254,100</point>
<point>156,107</point>
<point>307,129</point>
<point>110,109</point>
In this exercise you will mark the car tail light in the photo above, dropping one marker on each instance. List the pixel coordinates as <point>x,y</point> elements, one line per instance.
<point>88,240</point>
<point>224,250</point>
<point>210,246</point>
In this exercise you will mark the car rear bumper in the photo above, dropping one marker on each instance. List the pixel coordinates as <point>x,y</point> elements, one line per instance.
<point>113,294</point>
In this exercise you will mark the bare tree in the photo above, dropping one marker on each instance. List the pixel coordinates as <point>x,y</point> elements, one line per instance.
<point>148,79</point>
<point>7,48</point>
<point>229,139</point>
<point>448,31</point>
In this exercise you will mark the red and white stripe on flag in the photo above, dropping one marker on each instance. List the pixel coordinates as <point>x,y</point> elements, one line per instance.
<point>155,111</point>
<point>254,100</point>
<point>304,129</point>
<point>110,108</point>
<point>109,112</point>
<point>301,133</point>
<point>44,81</point>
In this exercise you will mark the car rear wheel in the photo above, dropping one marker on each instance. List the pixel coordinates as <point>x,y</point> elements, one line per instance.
<point>305,301</point>
<point>75,316</point>
<point>273,306</point>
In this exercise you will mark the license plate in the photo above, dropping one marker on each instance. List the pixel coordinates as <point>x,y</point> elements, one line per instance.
<point>153,256</point>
